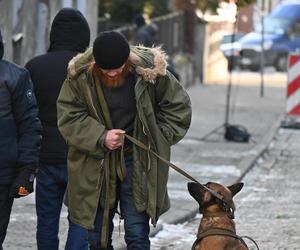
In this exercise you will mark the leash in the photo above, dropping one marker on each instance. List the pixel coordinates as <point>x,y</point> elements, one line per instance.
<point>179,170</point>
<point>249,238</point>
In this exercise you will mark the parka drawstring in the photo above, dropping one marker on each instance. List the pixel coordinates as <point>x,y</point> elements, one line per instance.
<point>121,169</point>
<point>122,173</point>
<point>105,224</point>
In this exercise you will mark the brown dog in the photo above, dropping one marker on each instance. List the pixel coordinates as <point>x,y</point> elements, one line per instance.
<point>217,228</point>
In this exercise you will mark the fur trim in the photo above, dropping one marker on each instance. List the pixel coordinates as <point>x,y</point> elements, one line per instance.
<point>159,67</point>
<point>159,64</point>
<point>71,65</point>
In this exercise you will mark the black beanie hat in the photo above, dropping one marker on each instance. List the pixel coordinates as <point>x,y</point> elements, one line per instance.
<point>111,50</point>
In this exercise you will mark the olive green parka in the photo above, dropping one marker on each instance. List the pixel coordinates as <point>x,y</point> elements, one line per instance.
<point>163,118</point>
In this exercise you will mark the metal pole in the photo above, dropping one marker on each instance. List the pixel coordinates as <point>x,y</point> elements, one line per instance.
<point>229,86</point>
<point>262,62</point>
<point>228,99</point>
<point>230,78</point>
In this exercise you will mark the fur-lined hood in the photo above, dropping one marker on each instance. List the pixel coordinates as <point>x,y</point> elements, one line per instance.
<point>149,63</point>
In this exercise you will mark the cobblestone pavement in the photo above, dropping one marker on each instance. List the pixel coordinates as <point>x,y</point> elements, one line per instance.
<point>268,207</point>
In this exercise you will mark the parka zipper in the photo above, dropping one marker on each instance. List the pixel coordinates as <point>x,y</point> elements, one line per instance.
<point>144,131</point>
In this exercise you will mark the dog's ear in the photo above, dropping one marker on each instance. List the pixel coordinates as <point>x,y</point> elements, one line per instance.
<point>235,188</point>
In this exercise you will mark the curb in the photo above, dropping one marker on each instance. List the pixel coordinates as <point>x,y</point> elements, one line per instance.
<point>249,161</point>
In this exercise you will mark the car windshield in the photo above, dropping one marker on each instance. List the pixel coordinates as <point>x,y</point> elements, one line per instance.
<point>275,25</point>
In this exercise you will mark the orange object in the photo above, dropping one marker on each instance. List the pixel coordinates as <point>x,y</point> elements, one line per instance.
<point>23,191</point>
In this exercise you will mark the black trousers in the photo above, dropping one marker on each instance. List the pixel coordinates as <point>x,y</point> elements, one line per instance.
<point>5,210</point>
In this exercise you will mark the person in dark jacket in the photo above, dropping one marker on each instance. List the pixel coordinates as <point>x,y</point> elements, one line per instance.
<point>20,134</point>
<point>69,35</point>
<point>146,33</point>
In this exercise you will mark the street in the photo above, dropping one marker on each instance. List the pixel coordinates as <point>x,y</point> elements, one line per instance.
<point>268,207</point>
<point>249,78</point>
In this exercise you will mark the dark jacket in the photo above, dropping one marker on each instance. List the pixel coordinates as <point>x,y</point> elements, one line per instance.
<point>20,128</point>
<point>146,35</point>
<point>69,35</point>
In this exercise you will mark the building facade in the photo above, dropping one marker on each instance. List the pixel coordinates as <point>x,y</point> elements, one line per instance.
<point>25,24</point>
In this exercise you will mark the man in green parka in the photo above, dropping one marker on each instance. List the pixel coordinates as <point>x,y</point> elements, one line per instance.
<point>112,90</point>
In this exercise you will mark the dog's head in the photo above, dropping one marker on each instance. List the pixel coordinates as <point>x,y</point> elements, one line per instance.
<point>207,200</point>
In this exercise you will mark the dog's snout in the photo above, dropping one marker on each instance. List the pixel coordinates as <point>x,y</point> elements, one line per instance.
<point>192,186</point>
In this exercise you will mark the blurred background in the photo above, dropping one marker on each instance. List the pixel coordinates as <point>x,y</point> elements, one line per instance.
<point>199,36</point>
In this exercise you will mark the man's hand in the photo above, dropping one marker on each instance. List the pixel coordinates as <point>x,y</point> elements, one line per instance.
<point>23,185</point>
<point>114,138</point>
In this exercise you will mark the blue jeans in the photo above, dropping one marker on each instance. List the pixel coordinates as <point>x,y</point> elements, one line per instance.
<point>51,182</point>
<point>136,224</point>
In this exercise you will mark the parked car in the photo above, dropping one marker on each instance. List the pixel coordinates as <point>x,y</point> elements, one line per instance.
<point>230,47</point>
<point>281,36</point>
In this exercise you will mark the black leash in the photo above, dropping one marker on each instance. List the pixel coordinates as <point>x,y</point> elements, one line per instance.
<point>179,170</point>
<point>249,238</point>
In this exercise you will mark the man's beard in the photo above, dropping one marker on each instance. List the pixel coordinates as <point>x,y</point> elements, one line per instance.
<point>108,81</point>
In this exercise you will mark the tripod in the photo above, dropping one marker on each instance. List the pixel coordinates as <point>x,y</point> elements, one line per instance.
<point>231,132</point>
<point>225,125</point>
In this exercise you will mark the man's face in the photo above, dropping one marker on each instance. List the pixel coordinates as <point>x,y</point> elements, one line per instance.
<point>113,73</point>
<point>112,78</point>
